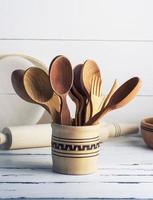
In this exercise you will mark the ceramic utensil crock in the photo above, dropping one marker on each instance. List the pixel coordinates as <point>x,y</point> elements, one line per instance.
<point>75,149</point>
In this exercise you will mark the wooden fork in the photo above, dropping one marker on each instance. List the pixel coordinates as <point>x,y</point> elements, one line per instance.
<point>97,98</point>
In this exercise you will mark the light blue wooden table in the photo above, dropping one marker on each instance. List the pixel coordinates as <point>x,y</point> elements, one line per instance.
<point>125,171</point>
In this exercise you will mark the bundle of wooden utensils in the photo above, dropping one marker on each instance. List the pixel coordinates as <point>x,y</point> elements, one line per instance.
<point>83,84</point>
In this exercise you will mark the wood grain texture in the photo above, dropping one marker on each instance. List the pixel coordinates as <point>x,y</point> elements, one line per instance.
<point>130,113</point>
<point>89,69</point>
<point>61,79</point>
<point>37,85</point>
<point>28,173</point>
<point>97,97</point>
<point>77,84</point>
<point>122,96</point>
<point>17,83</point>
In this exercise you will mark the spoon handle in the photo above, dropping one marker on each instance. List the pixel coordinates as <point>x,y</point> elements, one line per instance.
<point>88,112</point>
<point>65,113</point>
<point>77,103</point>
<point>96,117</point>
<point>82,111</point>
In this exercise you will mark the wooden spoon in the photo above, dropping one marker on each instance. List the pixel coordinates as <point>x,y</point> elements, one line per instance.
<point>123,95</point>
<point>80,93</point>
<point>37,86</point>
<point>17,82</point>
<point>90,68</point>
<point>75,99</point>
<point>54,59</point>
<point>61,78</point>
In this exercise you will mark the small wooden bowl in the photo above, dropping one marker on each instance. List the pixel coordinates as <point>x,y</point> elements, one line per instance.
<point>147,131</point>
<point>75,149</point>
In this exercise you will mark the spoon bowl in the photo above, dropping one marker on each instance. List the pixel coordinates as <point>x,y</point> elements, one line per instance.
<point>123,95</point>
<point>61,78</point>
<point>89,69</point>
<point>17,82</point>
<point>37,86</point>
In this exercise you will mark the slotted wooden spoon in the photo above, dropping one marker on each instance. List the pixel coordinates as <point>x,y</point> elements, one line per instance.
<point>123,95</point>
<point>37,86</point>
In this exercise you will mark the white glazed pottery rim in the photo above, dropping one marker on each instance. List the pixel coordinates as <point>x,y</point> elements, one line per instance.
<point>76,127</point>
<point>33,60</point>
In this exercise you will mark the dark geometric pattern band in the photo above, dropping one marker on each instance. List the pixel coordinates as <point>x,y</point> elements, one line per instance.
<point>75,147</point>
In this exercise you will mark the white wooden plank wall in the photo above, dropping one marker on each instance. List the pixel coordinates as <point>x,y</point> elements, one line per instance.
<point>118,34</point>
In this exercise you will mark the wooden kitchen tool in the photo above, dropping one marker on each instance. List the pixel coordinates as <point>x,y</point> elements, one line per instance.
<point>37,85</point>
<point>97,98</point>
<point>90,68</point>
<point>17,82</point>
<point>123,95</point>
<point>61,78</point>
<point>80,93</point>
<point>111,92</point>
<point>76,100</point>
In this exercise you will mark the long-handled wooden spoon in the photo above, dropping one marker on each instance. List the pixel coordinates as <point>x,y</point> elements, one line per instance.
<point>61,78</point>
<point>75,99</point>
<point>90,68</point>
<point>17,82</point>
<point>80,94</point>
<point>37,86</point>
<point>123,95</point>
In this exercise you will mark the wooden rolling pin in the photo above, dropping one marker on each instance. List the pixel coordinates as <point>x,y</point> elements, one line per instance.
<point>39,135</point>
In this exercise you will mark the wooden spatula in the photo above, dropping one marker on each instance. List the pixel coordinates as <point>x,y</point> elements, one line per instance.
<point>111,92</point>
